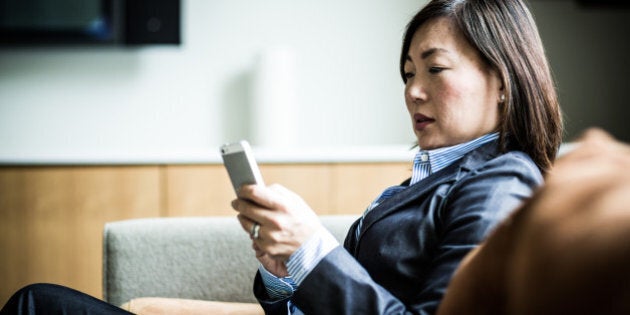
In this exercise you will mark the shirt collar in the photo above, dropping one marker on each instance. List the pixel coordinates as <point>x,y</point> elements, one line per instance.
<point>427,162</point>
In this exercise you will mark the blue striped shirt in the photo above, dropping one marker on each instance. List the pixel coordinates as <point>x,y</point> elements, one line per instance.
<point>426,162</point>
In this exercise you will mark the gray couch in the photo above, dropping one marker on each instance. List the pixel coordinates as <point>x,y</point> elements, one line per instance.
<point>202,258</point>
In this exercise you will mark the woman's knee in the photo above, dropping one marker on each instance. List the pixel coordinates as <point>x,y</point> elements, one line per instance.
<point>36,296</point>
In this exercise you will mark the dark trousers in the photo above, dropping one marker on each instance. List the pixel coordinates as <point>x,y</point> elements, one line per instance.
<point>56,299</point>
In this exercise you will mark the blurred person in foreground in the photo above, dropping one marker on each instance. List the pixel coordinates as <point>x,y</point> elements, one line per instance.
<point>566,251</point>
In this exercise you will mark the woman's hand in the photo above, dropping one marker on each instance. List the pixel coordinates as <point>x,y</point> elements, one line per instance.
<point>276,267</point>
<point>285,220</point>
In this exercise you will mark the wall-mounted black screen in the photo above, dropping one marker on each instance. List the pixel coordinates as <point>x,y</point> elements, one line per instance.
<point>109,22</point>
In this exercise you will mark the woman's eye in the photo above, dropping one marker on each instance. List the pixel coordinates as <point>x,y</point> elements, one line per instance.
<point>435,70</point>
<point>409,75</point>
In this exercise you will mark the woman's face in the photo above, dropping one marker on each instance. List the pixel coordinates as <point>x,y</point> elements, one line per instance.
<point>452,96</point>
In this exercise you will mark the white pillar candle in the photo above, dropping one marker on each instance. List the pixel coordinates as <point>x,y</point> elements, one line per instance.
<point>274,92</point>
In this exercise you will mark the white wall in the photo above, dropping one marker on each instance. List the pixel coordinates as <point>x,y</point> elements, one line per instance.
<point>196,96</point>
<point>199,95</point>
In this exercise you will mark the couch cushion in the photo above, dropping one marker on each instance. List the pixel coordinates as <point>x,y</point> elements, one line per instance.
<point>193,258</point>
<point>201,258</point>
<point>170,306</point>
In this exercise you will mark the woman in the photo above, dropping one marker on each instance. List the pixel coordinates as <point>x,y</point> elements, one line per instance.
<point>485,113</point>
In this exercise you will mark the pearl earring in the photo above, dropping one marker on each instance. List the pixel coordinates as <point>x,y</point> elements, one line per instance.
<point>502,98</point>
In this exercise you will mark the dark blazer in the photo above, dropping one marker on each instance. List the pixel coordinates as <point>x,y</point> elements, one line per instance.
<point>411,244</point>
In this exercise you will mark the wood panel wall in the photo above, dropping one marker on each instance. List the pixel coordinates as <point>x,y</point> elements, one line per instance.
<point>52,217</point>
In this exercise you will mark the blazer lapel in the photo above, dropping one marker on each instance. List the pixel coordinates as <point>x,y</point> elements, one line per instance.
<point>452,172</point>
<point>406,196</point>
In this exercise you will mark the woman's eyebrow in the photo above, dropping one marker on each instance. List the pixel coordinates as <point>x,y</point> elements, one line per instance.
<point>427,53</point>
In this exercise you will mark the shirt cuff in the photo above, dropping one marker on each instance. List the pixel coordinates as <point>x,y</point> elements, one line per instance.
<point>304,260</point>
<point>277,288</point>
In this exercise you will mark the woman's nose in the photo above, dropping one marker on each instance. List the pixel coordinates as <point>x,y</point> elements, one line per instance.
<point>415,91</point>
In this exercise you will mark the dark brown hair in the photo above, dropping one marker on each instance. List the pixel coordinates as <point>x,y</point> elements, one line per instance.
<point>506,37</point>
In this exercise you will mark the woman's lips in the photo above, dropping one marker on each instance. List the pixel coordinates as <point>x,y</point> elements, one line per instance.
<point>421,121</point>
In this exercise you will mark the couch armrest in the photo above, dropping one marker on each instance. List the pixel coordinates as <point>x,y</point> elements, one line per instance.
<point>205,258</point>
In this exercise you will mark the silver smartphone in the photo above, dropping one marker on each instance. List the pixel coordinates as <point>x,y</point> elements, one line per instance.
<point>240,164</point>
